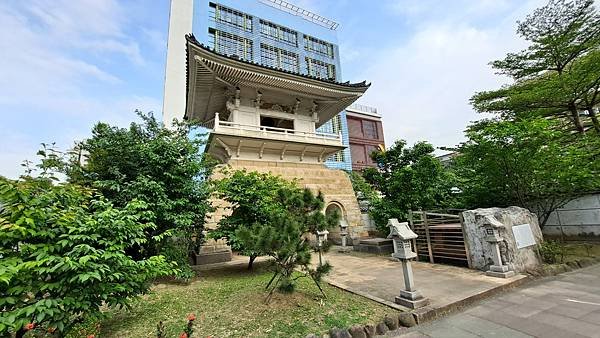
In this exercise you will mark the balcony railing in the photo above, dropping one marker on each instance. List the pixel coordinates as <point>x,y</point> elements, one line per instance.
<point>241,129</point>
<point>363,108</point>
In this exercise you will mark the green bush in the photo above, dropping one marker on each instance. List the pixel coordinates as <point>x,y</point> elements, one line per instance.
<point>552,252</point>
<point>285,233</point>
<point>163,167</point>
<point>62,255</point>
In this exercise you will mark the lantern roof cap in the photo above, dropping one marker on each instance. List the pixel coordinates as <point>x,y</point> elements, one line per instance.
<point>401,230</point>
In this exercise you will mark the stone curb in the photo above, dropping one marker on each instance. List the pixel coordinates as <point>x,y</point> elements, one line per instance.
<point>395,323</point>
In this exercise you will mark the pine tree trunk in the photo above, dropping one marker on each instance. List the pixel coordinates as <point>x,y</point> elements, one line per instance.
<point>252,258</point>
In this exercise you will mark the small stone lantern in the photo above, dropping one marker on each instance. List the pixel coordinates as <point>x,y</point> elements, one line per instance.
<point>402,236</point>
<point>498,269</point>
<point>321,237</point>
<point>344,236</point>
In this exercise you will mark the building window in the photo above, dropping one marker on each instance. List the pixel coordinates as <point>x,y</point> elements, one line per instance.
<point>371,149</point>
<point>318,46</point>
<point>320,69</point>
<point>230,44</point>
<point>279,33</point>
<point>279,58</point>
<point>370,130</point>
<point>337,157</point>
<point>230,16</point>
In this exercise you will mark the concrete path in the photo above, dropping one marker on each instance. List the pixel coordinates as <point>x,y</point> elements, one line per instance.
<point>567,305</point>
<point>381,279</point>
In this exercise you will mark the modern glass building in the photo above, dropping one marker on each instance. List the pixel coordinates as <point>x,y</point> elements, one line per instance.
<point>280,35</point>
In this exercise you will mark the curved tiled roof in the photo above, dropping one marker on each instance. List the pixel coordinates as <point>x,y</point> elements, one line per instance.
<point>192,39</point>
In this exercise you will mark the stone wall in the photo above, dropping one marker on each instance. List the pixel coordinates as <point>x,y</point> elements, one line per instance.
<point>519,260</point>
<point>334,184</point>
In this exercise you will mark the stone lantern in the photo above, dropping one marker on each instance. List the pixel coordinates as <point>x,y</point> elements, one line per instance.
<point>344,235</point>
<point>498,269</point>
<point>402,236</point>
<point>321,237</point>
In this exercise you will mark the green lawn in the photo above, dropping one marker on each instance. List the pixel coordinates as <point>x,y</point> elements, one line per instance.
<point>231,304</point>
<point>579,250</point>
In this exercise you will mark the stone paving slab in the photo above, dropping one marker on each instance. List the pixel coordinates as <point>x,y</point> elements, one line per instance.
<point>381,279</point>
<point>556,306</point>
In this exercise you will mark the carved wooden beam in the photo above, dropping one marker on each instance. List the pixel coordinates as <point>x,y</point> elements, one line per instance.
<point>262,149</point>
<point>321,155</point>
<point>302,155</point>
<point>283,151</point>
<point>225,146</point>
<point>239,147</point>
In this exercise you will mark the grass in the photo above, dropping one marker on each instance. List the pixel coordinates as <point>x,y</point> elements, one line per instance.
<point>231,304</point>
<point>579,250</point>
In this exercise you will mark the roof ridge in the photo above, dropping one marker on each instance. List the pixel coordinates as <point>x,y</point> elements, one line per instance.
<point>192,39</point>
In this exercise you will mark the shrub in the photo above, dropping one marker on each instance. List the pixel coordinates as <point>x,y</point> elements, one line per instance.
<point>62,255</point>
<point>552,252</point>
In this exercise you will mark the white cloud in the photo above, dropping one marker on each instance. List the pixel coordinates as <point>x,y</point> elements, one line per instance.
<point>58,74</point>
<point>422,85</point>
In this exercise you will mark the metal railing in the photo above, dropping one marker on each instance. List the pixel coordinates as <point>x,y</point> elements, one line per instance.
<point>363,108</point>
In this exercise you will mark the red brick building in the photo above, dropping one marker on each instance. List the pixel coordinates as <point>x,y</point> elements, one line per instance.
<point>365,133</point>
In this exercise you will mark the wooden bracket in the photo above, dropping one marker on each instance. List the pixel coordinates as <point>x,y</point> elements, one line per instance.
<point>262,149</point>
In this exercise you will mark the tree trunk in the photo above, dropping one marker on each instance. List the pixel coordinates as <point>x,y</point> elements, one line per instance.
<point>576,119</point>
<point>252,258</point>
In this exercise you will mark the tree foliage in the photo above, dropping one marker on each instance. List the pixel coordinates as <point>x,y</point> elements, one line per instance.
<point>163,167</point>
<point>528,163</point>
<point>559,73</point>
<point>285,234</point>
<point>62,254</point>
<point>253,199</point>
<point>409,178</point>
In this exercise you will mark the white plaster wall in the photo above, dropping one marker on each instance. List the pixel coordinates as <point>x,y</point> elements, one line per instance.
<point>180,24</point>
<point>576,218</point>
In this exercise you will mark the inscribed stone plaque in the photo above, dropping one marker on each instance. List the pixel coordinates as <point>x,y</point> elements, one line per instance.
<point>523,236</point>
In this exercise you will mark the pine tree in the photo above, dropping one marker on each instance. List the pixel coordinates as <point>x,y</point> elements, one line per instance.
<point>287,237</point>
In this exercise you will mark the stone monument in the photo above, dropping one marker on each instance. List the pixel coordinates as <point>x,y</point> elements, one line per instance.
<point>502,239</point>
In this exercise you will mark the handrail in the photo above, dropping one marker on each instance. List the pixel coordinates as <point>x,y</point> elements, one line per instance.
<point>286,131</point>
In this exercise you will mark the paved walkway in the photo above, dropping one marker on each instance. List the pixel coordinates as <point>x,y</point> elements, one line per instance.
<point>381,279</point>
<point>567,305</point>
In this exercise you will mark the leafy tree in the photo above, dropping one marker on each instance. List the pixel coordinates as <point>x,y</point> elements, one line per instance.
<point>409,179</point>
<point>559,73</point>
<point>162,167</point>
<point>529,163</point>
<point>62,254</point>
<point>285,234</point>
<point>253,198</point>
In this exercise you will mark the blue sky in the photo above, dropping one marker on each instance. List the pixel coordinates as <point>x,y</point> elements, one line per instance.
<point>65,65</point>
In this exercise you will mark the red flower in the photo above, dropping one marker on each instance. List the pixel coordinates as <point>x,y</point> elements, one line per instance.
<point>29,326</point>
<point>91,336</point>
<point>191,317</point>
<point>183,335</point>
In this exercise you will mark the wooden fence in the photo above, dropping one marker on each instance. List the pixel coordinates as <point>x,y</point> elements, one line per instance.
<point>441,238</point>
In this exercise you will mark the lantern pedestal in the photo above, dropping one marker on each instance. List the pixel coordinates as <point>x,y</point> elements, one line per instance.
<point>344,236</point>
<point>410,297</point>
